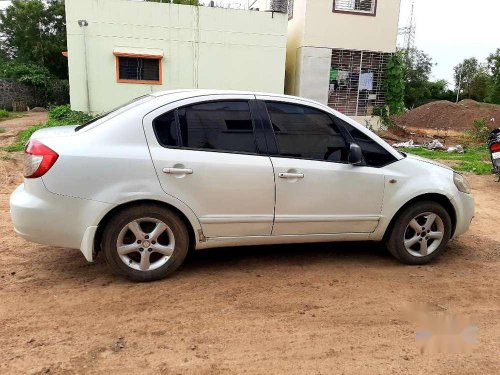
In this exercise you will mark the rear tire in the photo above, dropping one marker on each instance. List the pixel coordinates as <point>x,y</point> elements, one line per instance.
<point>146,242</point>
<point>420,233</point>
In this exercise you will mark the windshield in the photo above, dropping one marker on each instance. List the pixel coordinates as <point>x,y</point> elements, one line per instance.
<point>123,108</point>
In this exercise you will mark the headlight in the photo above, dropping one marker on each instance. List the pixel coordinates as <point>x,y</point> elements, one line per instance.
<point>461,183</point>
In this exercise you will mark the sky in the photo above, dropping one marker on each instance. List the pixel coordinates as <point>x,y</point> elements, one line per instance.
<point>448,30</point>
<point>452,30</point>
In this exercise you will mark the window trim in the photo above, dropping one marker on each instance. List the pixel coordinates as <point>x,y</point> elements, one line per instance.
<point>260,150</point>
<point>356,12</point>
<point>344,125</point>
<point>159,58</point>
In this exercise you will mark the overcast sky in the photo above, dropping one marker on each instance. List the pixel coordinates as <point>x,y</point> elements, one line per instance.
<point>448,30</point>
<point>451,30</point>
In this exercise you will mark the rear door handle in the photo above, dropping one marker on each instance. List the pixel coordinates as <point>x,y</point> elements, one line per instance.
<point>177,170</point>
<point>291,175</point>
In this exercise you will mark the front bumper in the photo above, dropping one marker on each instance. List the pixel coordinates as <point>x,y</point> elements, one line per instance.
<point>56,220</point>
<point>464,209</point>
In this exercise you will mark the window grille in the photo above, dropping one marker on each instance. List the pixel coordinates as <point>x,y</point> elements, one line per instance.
<point>355,6</point>
<point>140,69</point>
<point>356,81</point>
<point>290,9</point>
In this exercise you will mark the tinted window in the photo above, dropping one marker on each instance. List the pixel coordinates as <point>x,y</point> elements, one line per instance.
<point>165,129</point>
<point>304,132</point>
<point>374,154</point>
<point>225,126</point>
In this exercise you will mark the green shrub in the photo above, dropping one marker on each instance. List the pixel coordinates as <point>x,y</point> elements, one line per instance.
<point>64,115</point>
<point>4,114</point>
<point>480,131</point>
<point>58,116</point>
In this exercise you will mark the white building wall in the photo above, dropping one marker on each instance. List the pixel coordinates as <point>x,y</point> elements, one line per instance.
<point>202,48</point>
<point>317,30</point>
<point>324,28</point>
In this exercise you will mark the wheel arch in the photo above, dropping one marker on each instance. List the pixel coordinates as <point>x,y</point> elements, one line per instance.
<point>107,217</point>
<point>441,199</point>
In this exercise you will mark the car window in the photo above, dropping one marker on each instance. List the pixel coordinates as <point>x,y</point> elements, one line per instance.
<point>166,131</point>
<point>305,132</point>
<point>222,125</point>
<point>374,154</point>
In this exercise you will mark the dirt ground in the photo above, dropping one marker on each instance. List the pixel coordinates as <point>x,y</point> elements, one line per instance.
<point>301,309</point>
<point>441,115</point>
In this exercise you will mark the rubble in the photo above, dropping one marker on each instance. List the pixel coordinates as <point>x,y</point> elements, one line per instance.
<point>435,145</point>
<point>409,144</point>
<point>459,149</point>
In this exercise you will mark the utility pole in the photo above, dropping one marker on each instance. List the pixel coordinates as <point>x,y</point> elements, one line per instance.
<point>83,24</point>
<point>409,31</point>
<point>459,84</point>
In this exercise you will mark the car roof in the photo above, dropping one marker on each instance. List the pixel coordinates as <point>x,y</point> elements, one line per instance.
<point>175,95</point>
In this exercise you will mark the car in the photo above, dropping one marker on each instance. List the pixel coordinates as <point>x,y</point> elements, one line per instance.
<point>186,170</point>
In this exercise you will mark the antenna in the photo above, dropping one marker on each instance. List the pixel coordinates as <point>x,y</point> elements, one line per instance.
<point>410,30</point>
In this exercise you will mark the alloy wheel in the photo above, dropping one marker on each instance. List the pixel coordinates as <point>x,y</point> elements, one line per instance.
<point>145,244</point>
<point>424,234</point>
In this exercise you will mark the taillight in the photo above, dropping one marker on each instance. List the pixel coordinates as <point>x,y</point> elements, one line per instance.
<point>495,147</point>
<point>38,159</point>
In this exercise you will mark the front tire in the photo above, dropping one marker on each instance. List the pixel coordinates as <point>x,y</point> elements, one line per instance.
<point>420,233</point>
<point>146,242</point>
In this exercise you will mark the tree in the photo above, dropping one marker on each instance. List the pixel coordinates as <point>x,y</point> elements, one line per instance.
<point>439,91</point>
<point>480,86</point>
<point>493,66</point>
<point>417,70</point>
<point>34,31</point>
<point>465,73</point>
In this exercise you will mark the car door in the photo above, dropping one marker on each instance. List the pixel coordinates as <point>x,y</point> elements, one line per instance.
<point>206,154</point>
<point>317,190</point>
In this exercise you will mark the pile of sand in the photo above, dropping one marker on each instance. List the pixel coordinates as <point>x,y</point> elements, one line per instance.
<point>447,115</point>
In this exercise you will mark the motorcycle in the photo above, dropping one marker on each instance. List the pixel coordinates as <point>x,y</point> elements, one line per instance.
<point>494,146</point>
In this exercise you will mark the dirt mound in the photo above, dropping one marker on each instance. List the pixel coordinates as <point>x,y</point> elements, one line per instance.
<point>447,115</point>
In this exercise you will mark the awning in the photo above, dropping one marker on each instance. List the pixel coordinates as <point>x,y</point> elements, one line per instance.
<point>140,52</point>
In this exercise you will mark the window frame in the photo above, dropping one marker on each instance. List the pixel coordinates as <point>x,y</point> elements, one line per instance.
<point>159,58</point>
<point>260,145</point>
<point>275,145</point>
<point>356,12</point>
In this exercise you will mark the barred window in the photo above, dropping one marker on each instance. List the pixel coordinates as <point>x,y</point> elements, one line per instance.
<point>290,9</point>
<point>138,69</point>
<point>368,7</point>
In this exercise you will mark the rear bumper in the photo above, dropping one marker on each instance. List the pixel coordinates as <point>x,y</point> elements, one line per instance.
<point>51,219</point>
<point>464,208</point>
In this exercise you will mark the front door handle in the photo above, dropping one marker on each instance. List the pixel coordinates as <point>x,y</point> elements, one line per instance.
<point>177,170</point>
<point>291,175</point>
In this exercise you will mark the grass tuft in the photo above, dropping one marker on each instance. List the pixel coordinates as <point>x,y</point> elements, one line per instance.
<point>475,159</point>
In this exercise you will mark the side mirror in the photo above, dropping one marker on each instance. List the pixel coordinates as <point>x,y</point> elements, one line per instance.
<point>355,155</point>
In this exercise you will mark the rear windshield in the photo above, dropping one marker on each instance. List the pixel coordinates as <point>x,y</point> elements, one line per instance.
<point>123,108</point>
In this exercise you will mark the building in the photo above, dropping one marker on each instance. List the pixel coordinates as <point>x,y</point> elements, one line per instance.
<point>122,49</point>
<point>337,51</point>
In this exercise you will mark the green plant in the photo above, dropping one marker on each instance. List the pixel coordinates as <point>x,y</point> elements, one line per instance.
<point>66,116</point>
<point>58,116</point>
<point>393,85</point>
<point>5,157</point>
<point>2,130</point>
<point>480,131</point>
<point>4,114</point>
